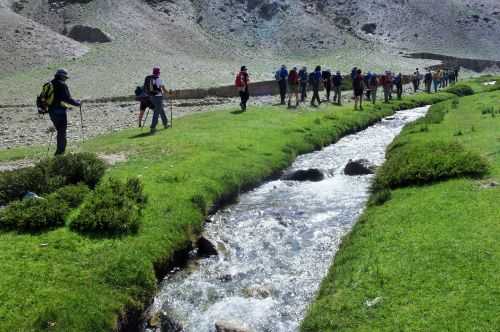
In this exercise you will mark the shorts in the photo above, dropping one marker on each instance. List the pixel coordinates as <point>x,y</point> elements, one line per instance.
<point>358,92</point>
<point>146,103</point>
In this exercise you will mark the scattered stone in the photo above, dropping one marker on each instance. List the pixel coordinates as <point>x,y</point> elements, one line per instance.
<point>31,195</point>
<point>374,302</point>
<point>369,28</point>
<point>230,326</point>
<point>83,33</point>
<point>258,292</point>
<point>491,184</point>
<point>170,324</point>
<point>313,175</point>
<point>206,248</point>
<point>359,167</point>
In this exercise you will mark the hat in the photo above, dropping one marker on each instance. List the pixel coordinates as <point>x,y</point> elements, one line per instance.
<point>243,68</point>
<point>156,71</point>
<point>62,73</point>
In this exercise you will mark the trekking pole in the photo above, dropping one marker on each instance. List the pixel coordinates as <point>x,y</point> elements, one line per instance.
<point>171,113</point>
<point>81,123</point>
<point>145,119</point>
<point>50,141</point>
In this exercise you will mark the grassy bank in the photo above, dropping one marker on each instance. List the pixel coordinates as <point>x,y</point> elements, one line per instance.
<point>61,281</point>
<point>427,259</point>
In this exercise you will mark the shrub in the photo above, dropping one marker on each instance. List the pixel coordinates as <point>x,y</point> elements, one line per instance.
<point>380,197</point>
<point>460,90</point>
<point>114,208</point>
<point>73,195</point>
<point>34,214</point>
<point>49,175</point>
<point>411,163</point>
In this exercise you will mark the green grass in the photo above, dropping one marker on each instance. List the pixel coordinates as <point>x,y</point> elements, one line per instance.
<point>62,281</point>
<point>430,254</point>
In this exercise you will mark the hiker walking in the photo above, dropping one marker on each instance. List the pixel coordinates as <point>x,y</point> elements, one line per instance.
<point>59,107</point>
<point>241,82</point>
<point>358,85</point>
<point>386,82</point>
<point>303,77</point>
<point>457,71</point>
<point>415,81</point>
<point>398,82</point>
<point>373,87</point>
<point>428,81</point>
<point>367,78</point>
<point>282,78</point>
<point>315,82</point>
<point>418,77</point>
<point>436,80</point>
<point>337,88</point>
<point>155,89</point>
<point>293,87</point>
<point>327,83</point>
<point>144,103</point>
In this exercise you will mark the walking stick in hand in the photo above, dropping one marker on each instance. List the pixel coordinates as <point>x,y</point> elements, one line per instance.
<point>81,123</point>
<point>171,93</point>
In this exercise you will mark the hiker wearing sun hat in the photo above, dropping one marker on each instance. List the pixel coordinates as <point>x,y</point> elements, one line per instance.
<point>58,108</point>
<point>155,89</point>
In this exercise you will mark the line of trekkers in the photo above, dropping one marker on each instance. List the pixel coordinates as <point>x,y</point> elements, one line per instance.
<point>295,83</point>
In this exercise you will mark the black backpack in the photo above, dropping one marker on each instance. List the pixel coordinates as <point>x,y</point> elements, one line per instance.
<point>149,87</point>
<point>45,98</point>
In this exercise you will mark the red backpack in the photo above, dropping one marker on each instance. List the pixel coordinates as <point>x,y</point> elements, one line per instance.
<point>239,81</point>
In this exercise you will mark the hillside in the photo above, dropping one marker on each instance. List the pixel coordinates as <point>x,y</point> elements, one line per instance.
<point>203,42</point>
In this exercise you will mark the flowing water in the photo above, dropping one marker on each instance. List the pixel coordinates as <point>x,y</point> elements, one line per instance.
<point>277,243</point>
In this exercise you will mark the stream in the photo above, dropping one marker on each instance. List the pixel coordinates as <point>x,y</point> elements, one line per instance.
<point>276,244</point>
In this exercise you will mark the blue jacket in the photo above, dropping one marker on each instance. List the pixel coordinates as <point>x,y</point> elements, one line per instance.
<point>282,74</point>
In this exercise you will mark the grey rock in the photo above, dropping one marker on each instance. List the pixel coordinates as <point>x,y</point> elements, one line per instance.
<point>230,326</point>
<point>359,167</point>
<point>313,174</point>
<point>84,33</point>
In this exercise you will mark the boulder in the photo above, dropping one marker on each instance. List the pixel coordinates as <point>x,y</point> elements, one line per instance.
<point>84,33</point>
<point>206,248</point>
<point>258,292</point>
<point>230,326</point>
<point>359,167</point>
<point>369,28</point>
<point>313,174</point>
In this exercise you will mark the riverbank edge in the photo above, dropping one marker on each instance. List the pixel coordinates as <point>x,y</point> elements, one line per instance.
<point>328,288</point>
<point>131,320</point>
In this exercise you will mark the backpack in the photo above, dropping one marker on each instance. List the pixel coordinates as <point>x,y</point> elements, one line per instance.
<point>149,87</point>
<point>238,82</point>
<point>139,93</point>
<point>45,99</point>
<point>277,75</point>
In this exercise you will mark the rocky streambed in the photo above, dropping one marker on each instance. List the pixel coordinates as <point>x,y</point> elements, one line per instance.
<point>275,246</point>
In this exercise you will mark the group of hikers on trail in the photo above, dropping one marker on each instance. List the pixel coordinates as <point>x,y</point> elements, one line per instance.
<point>56,99</point>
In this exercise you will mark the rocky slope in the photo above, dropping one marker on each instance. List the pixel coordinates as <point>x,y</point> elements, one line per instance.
<point>203,42</point>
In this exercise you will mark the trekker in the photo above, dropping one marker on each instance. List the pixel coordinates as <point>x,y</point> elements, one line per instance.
<point>358,85</point>
<point>315,82</point>
<point>337,88</point>
<point>457,71</point>
<point>415,81</point>
<point>59,107</point>
<point>144,103</point>
<point>373,87</point>
<point>241,83</point>
<point>436,80</point>
<point>293,87</point>
<point>446,78</point>
<point>452,77</point>
<point>327,82</point>
<point>398,82</point>
<point>428,81</point>
<point>386,82</point>
<point>367,78</point>
<point>282,78</point>
<point>419,78</point>
<point>155,88</point>
<point>303,77</point>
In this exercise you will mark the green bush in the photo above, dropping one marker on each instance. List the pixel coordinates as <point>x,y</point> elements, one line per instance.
<point>114,208</point>
<point>34,214</point>
<point>410,163</point>
<point>460,90</point>
<point>73,195</point>
<point>49,175</point>
<point>380,197</point>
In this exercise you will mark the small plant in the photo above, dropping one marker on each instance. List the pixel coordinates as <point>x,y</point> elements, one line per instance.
<point>380,197</point>
<point>113,209</point>
<point>488,110</point>
<point>458,133</point>
<point>34,214</point>
<point>455,103</point>
<point>73,195</point>
<point>200,202</point>
<point>460,90</point>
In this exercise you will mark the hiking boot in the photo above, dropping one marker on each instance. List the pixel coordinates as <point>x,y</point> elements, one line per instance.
<point>152,131</point>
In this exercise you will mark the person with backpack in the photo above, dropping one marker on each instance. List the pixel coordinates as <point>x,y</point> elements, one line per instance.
<point>418,77</point>
<point>428,81</point>
<point>144,103</point>
<point>415,81</point>
<point>241,82</point>
<point>316,78</point>
<point>303,78</point>
<point>387,83</point>
<point>358,86</point>
<point>373,87</point>
<point>398,82</point>
<point>436,80</point>
<point>155,89</point>
<point>293,87</point>
<point>327,82</point>
<point>282,78</point>
<point>367,79</point>
<point>58,99</point>
<point>337,88</point>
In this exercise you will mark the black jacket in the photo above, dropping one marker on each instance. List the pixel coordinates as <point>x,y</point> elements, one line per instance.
<point>61,95</point>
